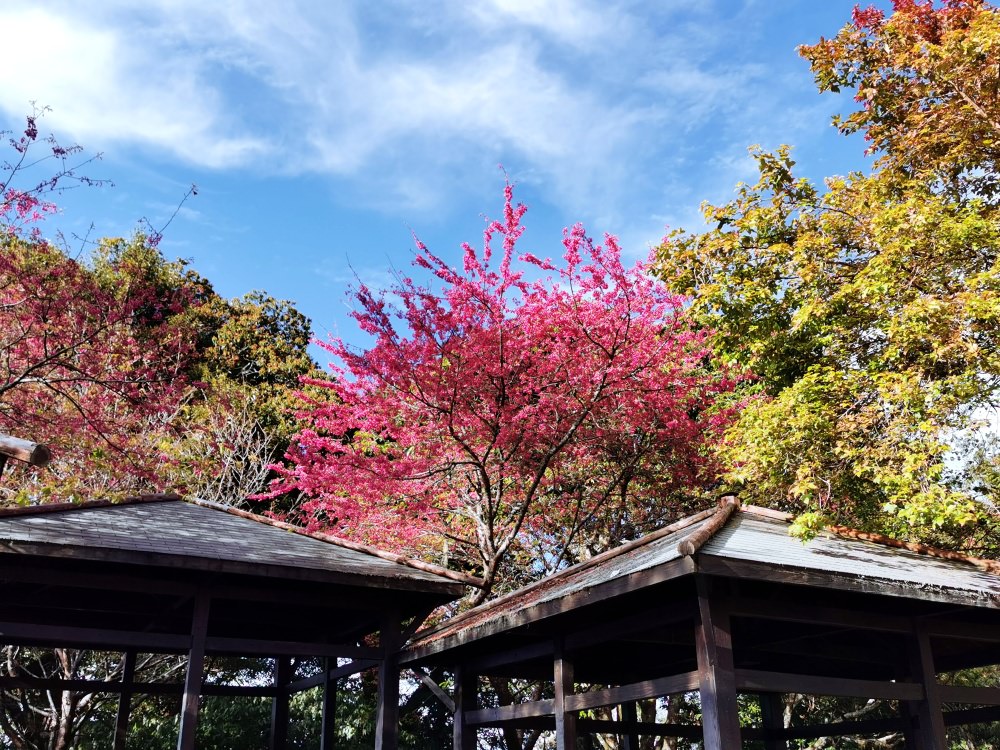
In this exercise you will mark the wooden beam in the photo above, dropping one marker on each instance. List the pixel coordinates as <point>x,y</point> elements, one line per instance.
<point>346,670</point>
<point>495,716</point>
<point>564,688</point>
<point>483,664</point>
<point>929,731</point>
<point>328,733</point>
<point>759,681</point>
<point>259,647</point>
<point>124,701</point>
<point>136,688</point>
<point>636,728</point>
<point>278,737</point>
<point>772,720</point>
<point>387,708</point>
<point>717,681</point>
<point>466,701</point>
<point>679,683</point>
<point>983,696</point>
<point>630,737</point>
<point>971,716</point>
<point>24,450</point>
<point>195,670</point>
<point>436,690</point>
<point>68,635</point>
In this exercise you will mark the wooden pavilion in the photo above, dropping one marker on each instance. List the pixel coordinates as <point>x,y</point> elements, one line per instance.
<point>160,575</point>
<point>721,604</point>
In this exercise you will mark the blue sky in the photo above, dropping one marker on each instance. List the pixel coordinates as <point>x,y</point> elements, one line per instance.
<point>321,133</point>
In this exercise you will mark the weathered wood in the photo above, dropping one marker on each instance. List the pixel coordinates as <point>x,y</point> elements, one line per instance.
<point>983,696</point>
<point>772,719</point>
<point>971,716</point>
<point>195,670</point>
<point>24,450</point>
<point>387,708</point>
<point>261,647</point>
<point>328,733</point>
<point>68,635</point>
<point>564,688</point>
<point>717,681</point>
<point>436,690</point>
<point>679,683</point>
<point>505,657</point>
<point>759,681</point>
<point>466,701</point>
<point>929,731</point>
<point>495,716</point>
<point>833,729</point>
<point>124,701</point>
<point>504,621</point>
<point>993,566</point>
<point>136,688</point>
<point>694,542</point>
<point>279,704</point>
<point>346,670</point>
<point>786,611</point>
<point>630,717</point>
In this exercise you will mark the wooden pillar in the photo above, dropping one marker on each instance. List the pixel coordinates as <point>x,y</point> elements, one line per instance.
<point>124,701</point>
<point>772,711</point>
<point>717,680</point>
<point>279,704</point>
<point>387,710</point>
<point>466,699</point>
<point>564,685</point>
<point>329,732</point>
<point>630,741</point>
<point>928,733</point>
<point>195,670</point>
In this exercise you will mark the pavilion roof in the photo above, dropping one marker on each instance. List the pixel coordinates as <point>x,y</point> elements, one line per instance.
<point>740,542</point>
<point>167,531</point>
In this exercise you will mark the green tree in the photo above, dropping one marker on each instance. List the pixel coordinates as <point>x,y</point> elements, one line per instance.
<point>869,309</point>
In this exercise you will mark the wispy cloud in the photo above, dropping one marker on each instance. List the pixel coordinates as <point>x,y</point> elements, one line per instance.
<point>597,100</point>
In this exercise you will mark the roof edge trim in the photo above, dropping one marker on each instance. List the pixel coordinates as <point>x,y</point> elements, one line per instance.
<point>37,510</point>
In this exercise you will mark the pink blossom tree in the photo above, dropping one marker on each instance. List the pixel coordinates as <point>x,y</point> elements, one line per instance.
<point>497,418</point>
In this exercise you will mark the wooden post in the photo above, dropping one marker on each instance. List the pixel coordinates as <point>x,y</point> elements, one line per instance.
<point>564,685</point>
<point>124,701</point>
<point>195,670</point>
<point>630,741</point>
<point>466,699</point>
<point>279,704</point>
<point>387,710</point>
<point>329,732</point>
<point>929,731</point>
<point>772,711</point>
<point>714,646</point>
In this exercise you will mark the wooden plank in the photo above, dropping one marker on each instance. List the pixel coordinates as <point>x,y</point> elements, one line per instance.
<point>833,729</point>
<point>564,688</point>
<point>136,688</point>
<point>387,707</point>
<point>466,701</point>
<point>278,737</point>
<point>68,635</point>
<point>759,681</point>
<point>494,716</point>
<point>634,729</point>
<point>679,683</point>
<point>971,716</point>
<point>328,732</point>
<point>717,681</point>
<point>346,670</point>
<point>195,670</point>
<point>790,612</point>
<point>983,696</point>
<point>124,701</point>
<point>929,731</point>
<point>259,647</point>
<point>436,690</point>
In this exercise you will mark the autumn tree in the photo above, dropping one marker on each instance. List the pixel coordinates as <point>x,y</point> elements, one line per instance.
<point>868,308</point>
<point>494,412</point>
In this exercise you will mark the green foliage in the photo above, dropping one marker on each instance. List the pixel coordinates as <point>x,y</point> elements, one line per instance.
<point>868,309</point>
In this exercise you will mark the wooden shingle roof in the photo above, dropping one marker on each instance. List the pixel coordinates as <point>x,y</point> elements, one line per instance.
<point>169,532</point>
